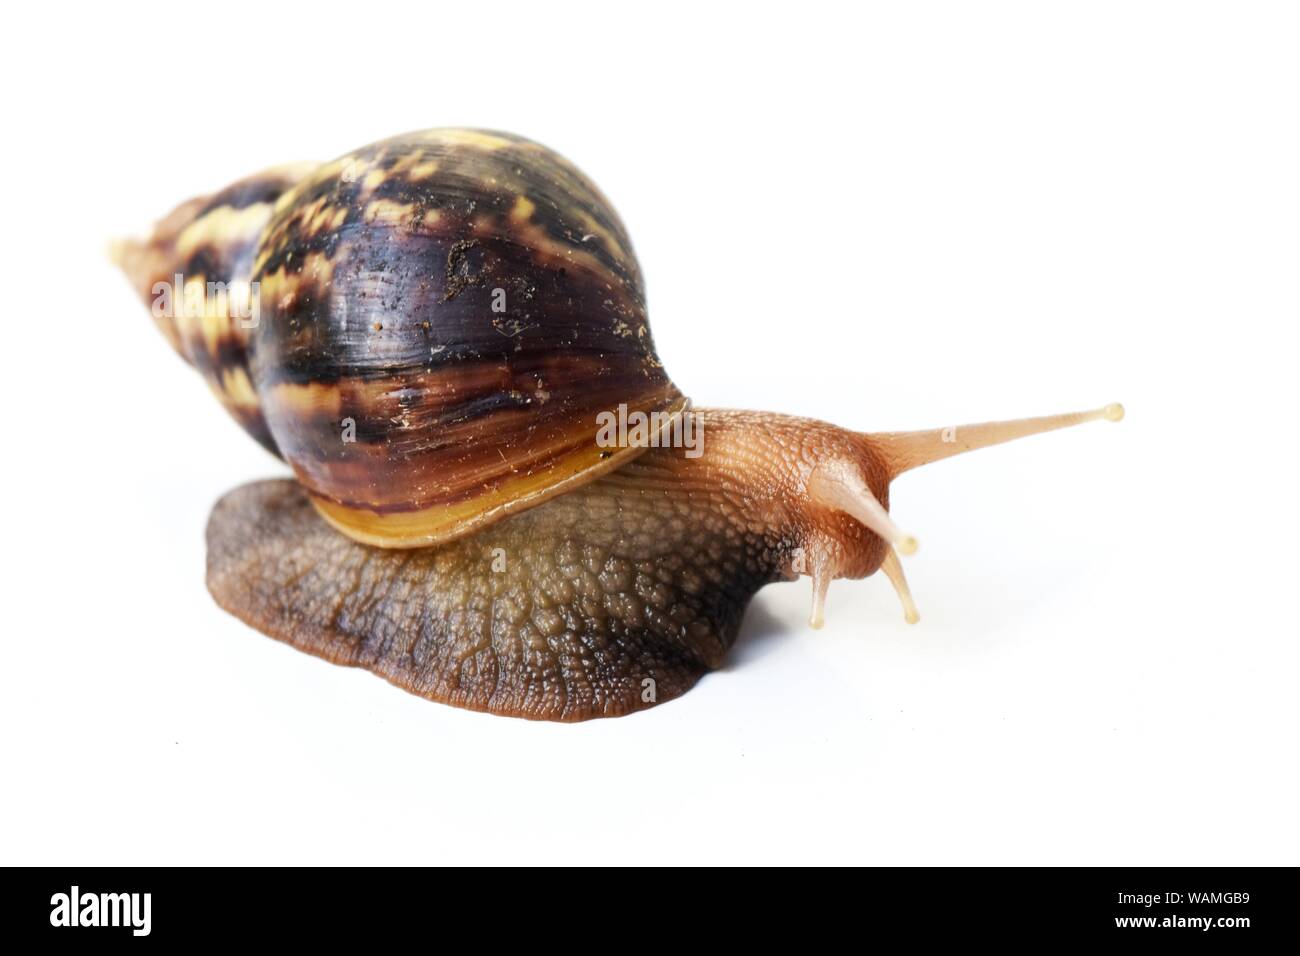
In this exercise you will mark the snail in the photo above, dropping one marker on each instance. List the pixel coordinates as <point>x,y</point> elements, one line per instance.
<point>433,332</point>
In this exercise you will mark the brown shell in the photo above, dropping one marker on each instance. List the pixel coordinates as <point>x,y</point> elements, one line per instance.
<point>443,317</point>
<point>208,242</point>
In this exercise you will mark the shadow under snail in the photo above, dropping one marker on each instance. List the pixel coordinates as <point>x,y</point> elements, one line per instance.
<point>429,331</point>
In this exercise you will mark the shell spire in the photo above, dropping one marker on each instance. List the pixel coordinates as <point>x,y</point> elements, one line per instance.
<point>194,272</point>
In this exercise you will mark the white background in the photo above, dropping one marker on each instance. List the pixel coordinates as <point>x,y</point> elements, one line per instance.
<point>897,216</point>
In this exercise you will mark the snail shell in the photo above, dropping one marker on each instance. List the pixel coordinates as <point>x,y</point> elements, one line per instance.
<point>441,318</point>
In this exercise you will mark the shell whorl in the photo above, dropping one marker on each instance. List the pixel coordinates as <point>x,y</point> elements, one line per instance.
<point>469,303</point>
<point>211,239</point>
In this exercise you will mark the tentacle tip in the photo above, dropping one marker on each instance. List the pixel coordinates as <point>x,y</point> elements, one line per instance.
<point>117,251</point>
<point>911,617</point>
<point>817,621</point>
<point>1114,412</point>
<point>907,544</point>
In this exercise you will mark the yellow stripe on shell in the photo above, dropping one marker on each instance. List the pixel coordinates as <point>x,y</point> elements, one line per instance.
<point>422,171</point>
<point>397,213</point>
<point>523,209</point>
<point>309,398</point>
<point>223,226</point>
<point>280,287</point>
<point>237,389</point>
<point>475,138</point>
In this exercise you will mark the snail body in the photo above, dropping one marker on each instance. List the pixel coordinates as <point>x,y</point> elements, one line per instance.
<point>443,319</point>
<point>617,595</point>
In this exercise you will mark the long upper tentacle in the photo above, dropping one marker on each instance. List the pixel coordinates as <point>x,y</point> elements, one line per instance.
<point>904,451</point>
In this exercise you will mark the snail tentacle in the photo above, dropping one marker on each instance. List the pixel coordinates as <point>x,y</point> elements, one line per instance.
<point>893,569</point>
<point>907,450</point>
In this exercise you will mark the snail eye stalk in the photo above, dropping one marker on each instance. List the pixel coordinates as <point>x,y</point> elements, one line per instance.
<point>904,451</point>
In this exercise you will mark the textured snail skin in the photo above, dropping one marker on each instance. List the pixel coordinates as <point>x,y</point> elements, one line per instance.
<point>606,600</point>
